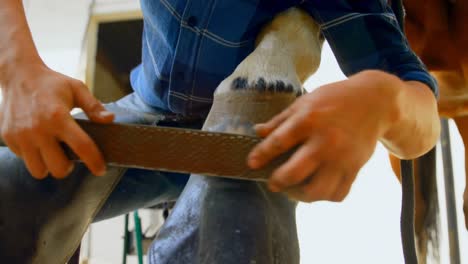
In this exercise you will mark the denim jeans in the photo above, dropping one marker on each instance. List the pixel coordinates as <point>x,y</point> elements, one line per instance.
<point>214,220</point>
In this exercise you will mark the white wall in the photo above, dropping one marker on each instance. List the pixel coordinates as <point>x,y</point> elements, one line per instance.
<point>58,28</point>
<point>362,229</point>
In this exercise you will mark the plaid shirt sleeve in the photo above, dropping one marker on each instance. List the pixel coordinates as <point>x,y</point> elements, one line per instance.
<point>365,35</point>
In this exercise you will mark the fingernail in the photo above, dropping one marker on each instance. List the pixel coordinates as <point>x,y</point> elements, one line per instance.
<point>273,187</point>
<point>258,126</point>
<point>44,174</point>
<point>70,169</point>
<point>253,162</point>
<point>102,171</point>
<point>105,114</point>
<point>259,129</point>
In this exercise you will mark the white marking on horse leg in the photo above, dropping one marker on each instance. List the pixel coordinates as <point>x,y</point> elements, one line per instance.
<point>288,51</point>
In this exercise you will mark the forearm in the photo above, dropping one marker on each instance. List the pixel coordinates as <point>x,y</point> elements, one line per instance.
<point>414,127</point>
<point>17,49</point>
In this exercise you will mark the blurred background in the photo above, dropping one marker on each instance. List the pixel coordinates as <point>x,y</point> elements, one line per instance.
<point>98,42</point>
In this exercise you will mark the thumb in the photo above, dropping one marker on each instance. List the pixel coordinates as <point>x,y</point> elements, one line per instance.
<point>92,107</point>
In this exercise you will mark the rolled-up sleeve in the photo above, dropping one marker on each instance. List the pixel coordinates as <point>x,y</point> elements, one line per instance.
<point>366,35</point>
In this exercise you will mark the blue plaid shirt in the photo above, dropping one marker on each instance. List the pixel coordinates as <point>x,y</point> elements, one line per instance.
<point>189,47</point>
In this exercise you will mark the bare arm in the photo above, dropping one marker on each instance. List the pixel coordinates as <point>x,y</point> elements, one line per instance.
<point>416,126</point>
<point>35,110</point>
<point>16,44</point>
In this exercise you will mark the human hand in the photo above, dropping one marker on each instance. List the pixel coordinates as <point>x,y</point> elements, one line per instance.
<point>337,127</point>
<point>35,118</point>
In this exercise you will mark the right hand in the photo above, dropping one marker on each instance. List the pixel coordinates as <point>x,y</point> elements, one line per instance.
<point>35,117</point>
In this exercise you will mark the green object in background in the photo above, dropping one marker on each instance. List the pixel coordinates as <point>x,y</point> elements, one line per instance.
<point>138,238</point>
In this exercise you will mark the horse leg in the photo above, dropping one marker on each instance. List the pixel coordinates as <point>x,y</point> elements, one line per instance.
<point>219,220</point>
<point>420,204</point>
<point>453,103</point>
<point>462,125</point>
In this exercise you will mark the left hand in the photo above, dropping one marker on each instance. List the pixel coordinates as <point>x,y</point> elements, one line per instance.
<point>338,126</point>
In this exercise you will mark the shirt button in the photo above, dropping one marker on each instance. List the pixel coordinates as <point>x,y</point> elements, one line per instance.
<point>192,21</point>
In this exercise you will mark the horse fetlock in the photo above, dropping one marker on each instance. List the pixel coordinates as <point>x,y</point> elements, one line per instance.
<point>260,84</point>
<point>465,207</point>
<point>264,72</point>
<point>286,35</point>
<point>280,62</point>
